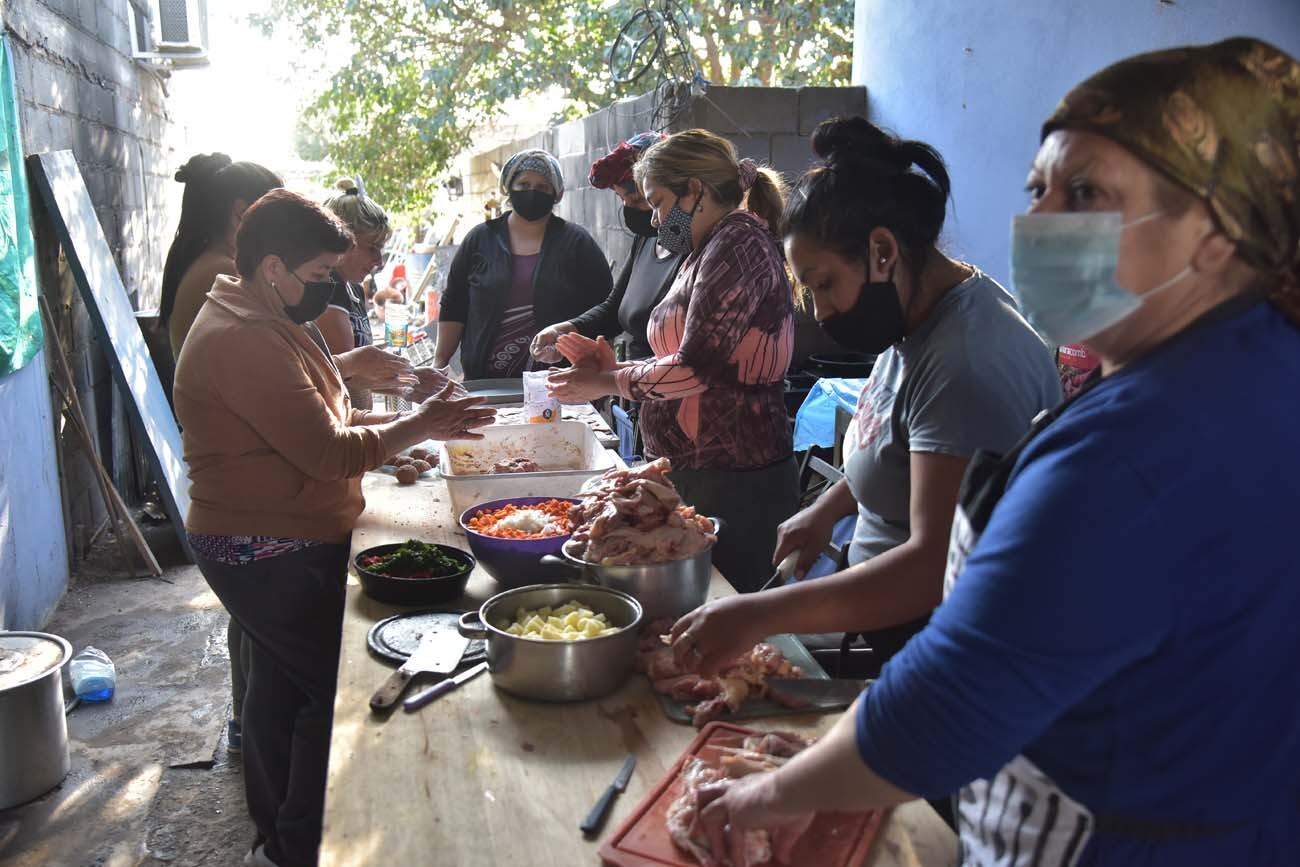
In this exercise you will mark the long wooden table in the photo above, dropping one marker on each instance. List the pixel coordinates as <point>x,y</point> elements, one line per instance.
<point>481,778</point>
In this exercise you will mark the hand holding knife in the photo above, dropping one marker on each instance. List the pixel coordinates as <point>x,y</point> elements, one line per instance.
<point>596,818</point>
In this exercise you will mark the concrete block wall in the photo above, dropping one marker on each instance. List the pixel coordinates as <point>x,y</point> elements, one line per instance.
<point>78,89</point>
<point>772,125</point>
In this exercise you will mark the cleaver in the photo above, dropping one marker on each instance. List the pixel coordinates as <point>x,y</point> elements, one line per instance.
<point>439,653</point>
<point>815,692</point>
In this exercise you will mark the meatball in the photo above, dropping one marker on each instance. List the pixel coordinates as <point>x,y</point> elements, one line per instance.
<point>422,465</point>
<point>407,474</point>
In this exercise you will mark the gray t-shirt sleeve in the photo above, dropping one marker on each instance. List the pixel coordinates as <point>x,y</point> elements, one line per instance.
<point>956,407</point>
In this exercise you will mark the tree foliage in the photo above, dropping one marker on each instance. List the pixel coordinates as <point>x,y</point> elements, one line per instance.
<point>422,74</point>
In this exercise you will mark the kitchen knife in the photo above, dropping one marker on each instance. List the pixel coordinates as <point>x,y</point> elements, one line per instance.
<point>784,572</point>
<point>820,692</point>
<point>420,699</point>
<point>596,818</point>
<point>439,652</point>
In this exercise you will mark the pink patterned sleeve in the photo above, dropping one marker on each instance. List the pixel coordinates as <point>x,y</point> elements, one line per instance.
<point>721,335</point>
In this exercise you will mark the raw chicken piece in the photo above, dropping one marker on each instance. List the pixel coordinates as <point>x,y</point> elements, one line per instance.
<point>760,846</point>
<point>635,516</point>
<point>743,677</point>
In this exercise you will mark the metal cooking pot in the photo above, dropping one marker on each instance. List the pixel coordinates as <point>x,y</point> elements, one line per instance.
<point>663,589</point>
<point>33,731</point>
<point>557,670</point>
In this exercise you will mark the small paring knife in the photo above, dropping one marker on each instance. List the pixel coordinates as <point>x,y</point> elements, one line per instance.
<point>441,688</point>
<point>596,818</point>
<point>784,572</point>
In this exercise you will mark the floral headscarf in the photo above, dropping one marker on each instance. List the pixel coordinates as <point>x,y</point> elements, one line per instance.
<point>1221,120</point>
<point>535,160</point>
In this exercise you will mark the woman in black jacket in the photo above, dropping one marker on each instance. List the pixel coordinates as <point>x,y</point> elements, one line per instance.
<point>517,274</point>
<point>646,276</point>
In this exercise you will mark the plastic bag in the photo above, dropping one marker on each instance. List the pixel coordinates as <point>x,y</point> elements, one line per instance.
<point>539,406</point>
<point>94,677</point>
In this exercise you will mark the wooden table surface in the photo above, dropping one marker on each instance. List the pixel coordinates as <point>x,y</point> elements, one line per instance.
<point>481,778</point>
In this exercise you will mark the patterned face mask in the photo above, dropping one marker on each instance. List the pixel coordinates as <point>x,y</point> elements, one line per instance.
<point>675,230</point>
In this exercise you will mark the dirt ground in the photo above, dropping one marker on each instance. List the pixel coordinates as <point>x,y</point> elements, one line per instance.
<point>151,781</point>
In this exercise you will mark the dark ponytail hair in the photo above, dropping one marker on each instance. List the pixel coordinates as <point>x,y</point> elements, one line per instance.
<point>866,181</point>
<point>212,185</point>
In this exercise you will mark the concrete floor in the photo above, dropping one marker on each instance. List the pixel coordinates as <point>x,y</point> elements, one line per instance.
<point>151,782</point>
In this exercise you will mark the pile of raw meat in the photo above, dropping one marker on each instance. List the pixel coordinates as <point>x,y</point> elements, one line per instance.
<point>516,465</point>
<point>634,517</point>
<point>740,757</point>
<point>744,677</point>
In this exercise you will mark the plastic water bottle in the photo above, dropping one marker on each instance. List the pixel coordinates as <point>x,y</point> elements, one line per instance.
<point>397,324</point>
<point>94,676</point>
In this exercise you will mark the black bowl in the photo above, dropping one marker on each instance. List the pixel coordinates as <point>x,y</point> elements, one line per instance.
<point>414,591</point>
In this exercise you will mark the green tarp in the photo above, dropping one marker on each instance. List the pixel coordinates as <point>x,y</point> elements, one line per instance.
<point>20,321</point>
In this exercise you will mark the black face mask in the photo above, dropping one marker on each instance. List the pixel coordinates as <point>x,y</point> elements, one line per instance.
<point>532,205</point>
<point>874,322</point>
<point>638,222</point>
<point>316,296</point>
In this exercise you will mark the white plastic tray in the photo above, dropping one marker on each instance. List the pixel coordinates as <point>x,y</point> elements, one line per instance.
<point>568,452</point>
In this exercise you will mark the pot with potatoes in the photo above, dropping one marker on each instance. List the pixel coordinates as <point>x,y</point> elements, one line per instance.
<point>557,642</point>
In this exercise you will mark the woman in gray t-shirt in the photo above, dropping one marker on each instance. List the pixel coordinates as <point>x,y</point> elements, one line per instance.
<point>958,370</point>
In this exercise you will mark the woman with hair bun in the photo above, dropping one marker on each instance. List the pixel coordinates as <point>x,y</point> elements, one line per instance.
<point>217,192</point>
<point>958,370</point>
<point>712,397</point>
<point>345,324</point>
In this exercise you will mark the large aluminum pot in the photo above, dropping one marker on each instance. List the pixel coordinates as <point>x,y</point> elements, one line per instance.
<point>663,589</point>
<point>557,670</point>
<point>33,730</point>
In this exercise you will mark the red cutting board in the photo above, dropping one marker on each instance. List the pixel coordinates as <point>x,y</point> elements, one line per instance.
<point>833,840</point>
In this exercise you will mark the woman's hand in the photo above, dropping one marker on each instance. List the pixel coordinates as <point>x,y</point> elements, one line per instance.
<point>714,634</point>
<point>373,369</point>
<point>432,381</point>
<point>809,532</point>
<point>584,352</point>
<point>580,384</point>
<point>731,807</point>
<point>543,347</point>
<point>447,417</point>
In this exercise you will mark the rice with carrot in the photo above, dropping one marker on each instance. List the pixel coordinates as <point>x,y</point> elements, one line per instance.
<point>537,521</point>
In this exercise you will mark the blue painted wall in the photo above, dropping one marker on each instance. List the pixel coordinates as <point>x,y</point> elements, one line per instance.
<point>976,78</point>
<point>33,547</point>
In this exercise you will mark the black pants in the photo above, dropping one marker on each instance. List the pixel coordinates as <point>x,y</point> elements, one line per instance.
<point>752,504</point>
<point>291,610</point>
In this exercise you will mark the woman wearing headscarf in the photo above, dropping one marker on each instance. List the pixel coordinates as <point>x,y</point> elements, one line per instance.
<point>1126,695</point>
<point>712,396</point>
<point>276,453</point>
<point>517,274</point>
<point>647,274</point>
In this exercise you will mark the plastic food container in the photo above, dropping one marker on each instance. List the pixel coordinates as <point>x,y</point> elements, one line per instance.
<point>567,452</point>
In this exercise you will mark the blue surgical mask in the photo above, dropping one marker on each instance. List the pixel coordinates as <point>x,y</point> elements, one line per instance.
<point>1063,273</point>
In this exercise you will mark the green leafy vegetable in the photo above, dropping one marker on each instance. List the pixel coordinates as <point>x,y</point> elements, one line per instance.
<point>415,557</point>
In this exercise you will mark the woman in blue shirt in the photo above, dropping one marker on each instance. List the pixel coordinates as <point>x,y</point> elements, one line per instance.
<point>1124,694</point>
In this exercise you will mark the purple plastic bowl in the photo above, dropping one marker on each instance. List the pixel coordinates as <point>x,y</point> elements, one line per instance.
<point>512,562</point>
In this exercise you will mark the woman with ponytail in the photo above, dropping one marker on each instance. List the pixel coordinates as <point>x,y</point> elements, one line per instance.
<point>712,397</point>
<point>217,192</point>
<point>957,370</point>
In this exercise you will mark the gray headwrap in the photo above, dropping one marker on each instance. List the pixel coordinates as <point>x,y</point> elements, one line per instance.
<point>537,160</point>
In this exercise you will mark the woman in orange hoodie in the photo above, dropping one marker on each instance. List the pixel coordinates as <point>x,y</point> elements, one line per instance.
<point>276,453</point>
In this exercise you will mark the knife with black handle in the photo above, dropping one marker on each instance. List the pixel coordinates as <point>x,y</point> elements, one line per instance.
<point>596,818</point>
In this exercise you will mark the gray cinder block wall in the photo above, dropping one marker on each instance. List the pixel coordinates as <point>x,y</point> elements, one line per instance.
<point>79,89</point>
<point>772,125</point>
